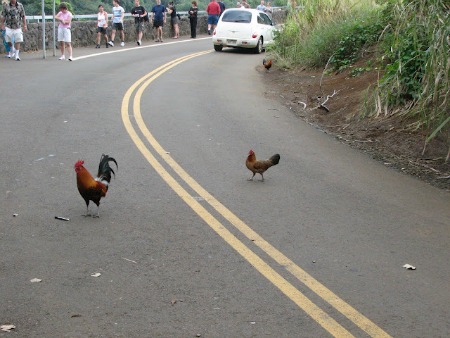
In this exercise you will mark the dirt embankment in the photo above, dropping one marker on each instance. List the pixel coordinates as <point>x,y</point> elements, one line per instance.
<point>384,138</point>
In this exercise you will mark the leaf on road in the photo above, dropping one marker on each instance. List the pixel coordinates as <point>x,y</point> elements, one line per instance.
<point>35,280</point>
<point>7,327</point>
<point>97,274</point>
<point>409,267</point>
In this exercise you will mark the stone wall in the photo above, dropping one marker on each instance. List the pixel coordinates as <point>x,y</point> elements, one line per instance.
<point>84,32</point>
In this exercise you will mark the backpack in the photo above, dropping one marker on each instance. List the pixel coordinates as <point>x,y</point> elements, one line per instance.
<point>147,18</point>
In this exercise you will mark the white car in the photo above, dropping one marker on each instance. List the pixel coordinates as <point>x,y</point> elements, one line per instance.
<point>244,28</point>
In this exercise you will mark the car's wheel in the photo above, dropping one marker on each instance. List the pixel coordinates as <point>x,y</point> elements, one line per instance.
<point>259,47</point>
<point>218,48</point>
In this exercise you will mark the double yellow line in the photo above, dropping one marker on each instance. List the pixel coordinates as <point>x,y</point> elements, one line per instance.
<point>321,317</point>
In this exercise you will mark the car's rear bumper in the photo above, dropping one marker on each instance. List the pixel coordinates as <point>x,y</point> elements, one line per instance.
<point>240,43</point>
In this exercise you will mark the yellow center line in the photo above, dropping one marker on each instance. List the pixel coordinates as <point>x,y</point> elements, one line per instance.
<point>302,301</point>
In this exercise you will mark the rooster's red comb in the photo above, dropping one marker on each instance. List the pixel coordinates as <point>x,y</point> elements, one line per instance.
<point>79,163</point>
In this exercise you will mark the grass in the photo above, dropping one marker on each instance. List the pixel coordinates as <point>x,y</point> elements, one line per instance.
<point>412,38</point>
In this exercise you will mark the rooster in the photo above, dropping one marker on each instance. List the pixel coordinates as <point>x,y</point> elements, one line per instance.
<point>93,189</point>
<point>261,166</point>
<point>267,64</point>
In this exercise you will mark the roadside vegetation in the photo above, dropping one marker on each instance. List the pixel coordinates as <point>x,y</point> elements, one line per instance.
<point>406,41</point>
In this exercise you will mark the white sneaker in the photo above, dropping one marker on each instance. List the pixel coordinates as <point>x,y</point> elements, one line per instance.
<point>111,43</point>
<point>11,54</point>
<point>17,58</point>
<point>122,43</point>
<point>70,58</point>
<point>139,42</point>
<point>62,58</point>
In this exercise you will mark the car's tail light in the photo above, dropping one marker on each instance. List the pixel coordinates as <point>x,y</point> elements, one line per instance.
<point>254,35</point>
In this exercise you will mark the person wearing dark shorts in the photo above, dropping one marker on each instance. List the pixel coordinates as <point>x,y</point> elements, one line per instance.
<point>159,19</point>
<point>174,20</point>
<point>102,25</point>
<point>117,25</point>
<point>213,10</point>
<point>139,13</point>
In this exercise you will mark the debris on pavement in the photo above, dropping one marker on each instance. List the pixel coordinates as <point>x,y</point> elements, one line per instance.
<point>62,218</point>
<point>174,301</point>
<point>15,215</point>
<point>129,260</point>
<point>97,274</point>
<point>35,280</point>
<point>7,327</point>
<point>409,267</point>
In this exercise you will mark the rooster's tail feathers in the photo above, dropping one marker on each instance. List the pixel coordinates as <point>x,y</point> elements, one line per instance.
<point>104,169</point>
<point>275,159</point>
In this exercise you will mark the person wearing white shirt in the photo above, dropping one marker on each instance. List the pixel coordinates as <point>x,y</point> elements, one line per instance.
<point>117,23</point>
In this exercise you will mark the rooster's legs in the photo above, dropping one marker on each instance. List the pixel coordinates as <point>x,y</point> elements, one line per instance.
<point>251,178</point>
<point>87,211</point>
<point>98,212</point>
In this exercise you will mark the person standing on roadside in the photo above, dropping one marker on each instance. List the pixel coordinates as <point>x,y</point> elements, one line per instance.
<point>245,4</point>
<point>173,20</point>
<point>213,10</point>
<point>14,23</point>
<point>64,35</point>
<point>139,13</point>
<point>261,7</point>
<point>268,9</point>
<point>158,19</point>
<point>193,11</point>
<point>102,26</point>
<point>117,23</point>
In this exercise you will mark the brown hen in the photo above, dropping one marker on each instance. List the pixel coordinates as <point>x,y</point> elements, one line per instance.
<point>260,166</point>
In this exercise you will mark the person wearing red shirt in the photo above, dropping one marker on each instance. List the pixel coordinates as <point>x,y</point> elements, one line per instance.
<point>213,10</point>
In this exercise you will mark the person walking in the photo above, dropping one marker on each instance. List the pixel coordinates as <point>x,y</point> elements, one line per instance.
<point>64,35</point>
<point>193,11</point>
<point>173,20</point>
<point>139,13</point>
<point>213,10</point>
<point>14,23</point>
<point>102,26</point>
<point>222,6</point>
<point>117,23</point>
<point>158,19</point>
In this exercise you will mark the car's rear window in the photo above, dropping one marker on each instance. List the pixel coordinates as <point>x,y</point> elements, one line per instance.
<point>237,16</point>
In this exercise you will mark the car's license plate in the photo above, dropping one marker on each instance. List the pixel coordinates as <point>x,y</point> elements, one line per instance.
<point>231,42</point>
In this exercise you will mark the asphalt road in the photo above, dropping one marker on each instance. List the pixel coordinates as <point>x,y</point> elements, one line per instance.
<point>185,246</point>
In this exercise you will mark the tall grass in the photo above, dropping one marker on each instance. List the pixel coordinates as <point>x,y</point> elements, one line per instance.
<point>413,40</point>
<point>313,34</point>
<point>415,84</point>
